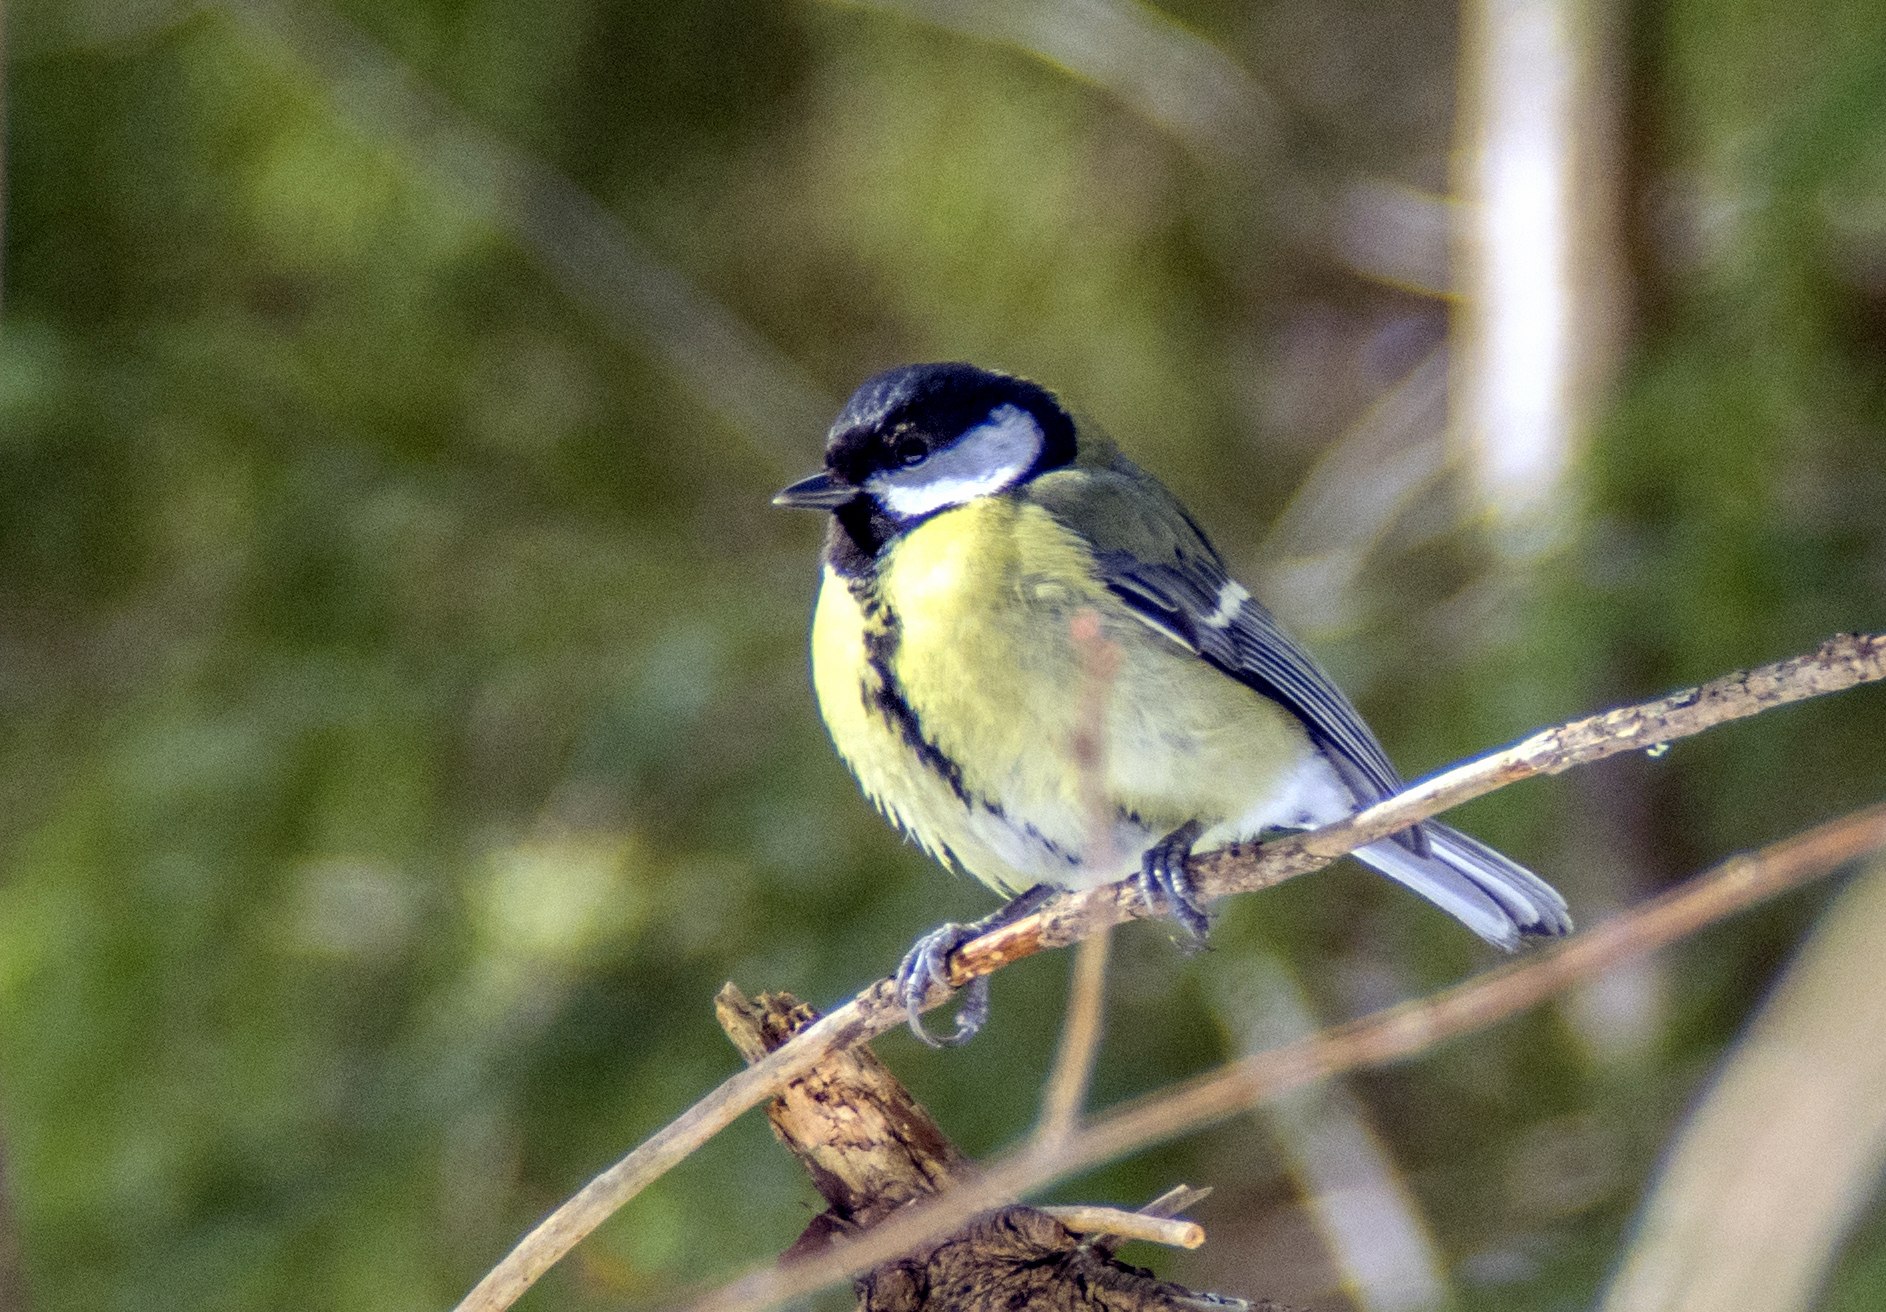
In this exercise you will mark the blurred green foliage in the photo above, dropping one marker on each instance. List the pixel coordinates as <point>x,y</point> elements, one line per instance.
<point>403,715</point>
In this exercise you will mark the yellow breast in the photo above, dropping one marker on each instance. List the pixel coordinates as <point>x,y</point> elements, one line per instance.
<point>957,690</point>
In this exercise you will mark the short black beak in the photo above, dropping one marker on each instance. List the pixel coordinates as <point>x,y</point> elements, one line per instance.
<point>820,492</point>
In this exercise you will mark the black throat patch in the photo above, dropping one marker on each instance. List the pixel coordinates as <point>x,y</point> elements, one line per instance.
<point>853,541</point>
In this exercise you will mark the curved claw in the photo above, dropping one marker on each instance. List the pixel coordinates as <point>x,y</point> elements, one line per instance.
<point>1163,880</point>
<point>928,964</point>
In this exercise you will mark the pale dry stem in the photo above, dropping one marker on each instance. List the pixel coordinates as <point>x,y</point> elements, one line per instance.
<point>1087,1219</point>
<point>1065,1092</point>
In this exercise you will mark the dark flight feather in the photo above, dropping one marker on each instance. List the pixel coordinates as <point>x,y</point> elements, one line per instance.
<point>1179,593</point>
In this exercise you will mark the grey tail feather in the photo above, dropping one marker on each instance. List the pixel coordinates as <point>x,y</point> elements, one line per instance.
<point>1496,898</point>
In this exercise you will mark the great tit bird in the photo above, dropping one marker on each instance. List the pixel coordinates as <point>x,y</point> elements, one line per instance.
<point>973,521</point>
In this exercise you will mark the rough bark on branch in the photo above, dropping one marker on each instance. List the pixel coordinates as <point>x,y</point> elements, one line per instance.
<point>871,1149</point>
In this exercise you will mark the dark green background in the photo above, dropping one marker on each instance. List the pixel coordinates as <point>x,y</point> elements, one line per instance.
<point>404,726</point>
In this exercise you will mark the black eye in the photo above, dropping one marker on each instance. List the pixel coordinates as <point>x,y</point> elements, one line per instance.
<point>910,450</point>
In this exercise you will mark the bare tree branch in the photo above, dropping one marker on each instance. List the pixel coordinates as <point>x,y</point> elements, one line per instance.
<point>1841,662</point>
<point>869,1146</point>
<point>1379,1039</point>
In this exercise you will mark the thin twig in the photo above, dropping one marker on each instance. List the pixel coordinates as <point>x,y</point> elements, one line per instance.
<point>1370,1223</point>
<point>1841,662</point>
<point>1088,1219</point>
<point>1179,1199</point>
<point>1065,1092</point>
<point>1379,1039</point>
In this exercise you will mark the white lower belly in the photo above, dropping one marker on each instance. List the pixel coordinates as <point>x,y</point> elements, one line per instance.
<point>998,840</point>
<point>1020,847</point>
<point>1311,794</point>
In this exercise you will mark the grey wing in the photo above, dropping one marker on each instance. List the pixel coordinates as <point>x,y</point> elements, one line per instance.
<point>1196,603</point>
<point>1183,590</point>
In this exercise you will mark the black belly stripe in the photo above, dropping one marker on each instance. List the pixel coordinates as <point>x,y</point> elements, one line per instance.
<point>888,699</point>
<point>1053,848</point>
<point>882,634</point>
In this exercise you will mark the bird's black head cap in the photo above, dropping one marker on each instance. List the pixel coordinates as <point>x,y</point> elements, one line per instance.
<point>986,431</point>
<point>933,404</point>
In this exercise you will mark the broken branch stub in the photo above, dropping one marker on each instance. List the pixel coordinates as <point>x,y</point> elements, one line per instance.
<point>871,1149</point>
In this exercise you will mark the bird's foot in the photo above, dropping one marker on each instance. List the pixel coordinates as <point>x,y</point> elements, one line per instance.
<point>1166,886</point>
<point>927,964</point>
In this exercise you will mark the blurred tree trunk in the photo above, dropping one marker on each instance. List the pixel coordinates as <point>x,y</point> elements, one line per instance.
<point>1539,328</point>
<point>1787,1146</point>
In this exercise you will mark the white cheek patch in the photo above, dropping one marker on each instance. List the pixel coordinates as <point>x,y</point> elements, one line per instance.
<point>985,460</point>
